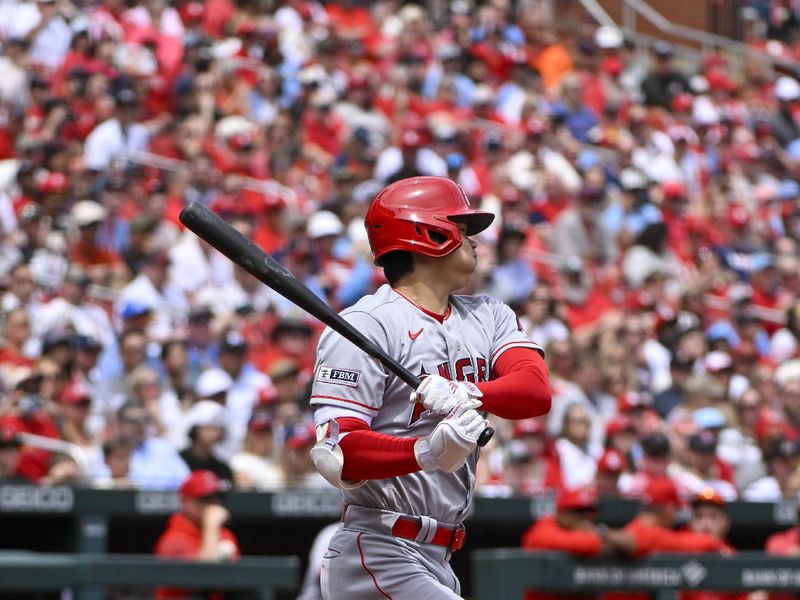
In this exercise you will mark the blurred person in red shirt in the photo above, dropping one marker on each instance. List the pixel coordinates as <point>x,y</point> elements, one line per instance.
<point>609,468</point>
<point>710,516</point>
<point>652,528</point>
<point>101,265</point>
<point>197,531</point>
<point>784,543</point>
<point>9,456</point>
<point>23,411</point>
<point>574,529</point>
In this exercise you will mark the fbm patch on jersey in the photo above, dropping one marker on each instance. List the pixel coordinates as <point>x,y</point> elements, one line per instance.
<point>338,376</point>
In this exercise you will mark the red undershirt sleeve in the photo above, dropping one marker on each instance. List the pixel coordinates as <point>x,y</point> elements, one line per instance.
<point>372,455</point>
<point>521,387</point>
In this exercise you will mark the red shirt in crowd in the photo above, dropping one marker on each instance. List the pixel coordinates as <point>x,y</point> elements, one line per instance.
<point>547,534</point>
<point>783,543</point>
<point>34,463</point>
<point>182,539</point>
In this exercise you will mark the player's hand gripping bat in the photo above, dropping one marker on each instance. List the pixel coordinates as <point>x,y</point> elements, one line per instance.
<point>222,236</point>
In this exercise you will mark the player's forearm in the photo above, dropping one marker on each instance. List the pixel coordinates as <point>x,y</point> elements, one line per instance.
<point>521,389</point>
<point>372,455</point>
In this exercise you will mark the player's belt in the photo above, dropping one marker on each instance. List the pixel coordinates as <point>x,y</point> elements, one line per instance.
<point>423,530</point>
<point>449,537</point>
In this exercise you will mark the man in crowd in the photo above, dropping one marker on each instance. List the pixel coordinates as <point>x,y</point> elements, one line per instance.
<point>197,531</point>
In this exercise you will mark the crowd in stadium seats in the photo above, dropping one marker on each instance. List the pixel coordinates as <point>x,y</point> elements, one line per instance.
<point>647,233</point>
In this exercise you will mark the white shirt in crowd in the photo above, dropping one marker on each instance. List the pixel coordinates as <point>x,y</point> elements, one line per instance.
<point>169,305</point>
<point>577,466</point>
<point>49,46</point>
<point>109,141</point>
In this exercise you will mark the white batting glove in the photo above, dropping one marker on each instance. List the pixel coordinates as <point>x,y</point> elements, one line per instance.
<point>441,396</point>
<point>451,442</point>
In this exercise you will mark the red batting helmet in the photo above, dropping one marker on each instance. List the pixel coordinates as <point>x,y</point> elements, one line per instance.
<point>405,214</point>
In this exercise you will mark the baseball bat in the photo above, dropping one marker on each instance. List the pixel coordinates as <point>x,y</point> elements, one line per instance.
<point>224,237</point>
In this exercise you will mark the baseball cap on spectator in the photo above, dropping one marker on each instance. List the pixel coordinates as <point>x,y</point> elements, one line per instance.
<point>53,183</point>
<point>708,495</point>
<point>673,190</point>
<point>300,436</point>
<point>704,385</point>
<point>203,484</point>
<point>75,393</point>
<point>770,423</point>
<point>608,37</point>
<point>709,417</point>
<point>656,445</point>
<point>200,314</point>
<point>143,224</point>
<point>206,413</point>
<point>717,361</point>
<point>233,343</point>
<point>780,448</point>
<point>662,49</point>
<point>788,371</point>
<point>283,368</point>
<point>629,401</point>
<point>126,97</point>
<point>455,160</point>
<point>212,382</point>
<point>58,336</point>
<point>527,427</point>
<point>703,442</point>
<point>632,179</point>
<point>134,310</point>
<point>260,420</point>
<point>88,212</point>
<point>661,491</point>
<point>787,89</point>
<point>617,425</point>
<point>291,325</point>
<point>611,462</point>
<point>324,223</point>
<point>723,331</point>
<point>578,499</point>
<point>76,274</point>
<point>87,343</point>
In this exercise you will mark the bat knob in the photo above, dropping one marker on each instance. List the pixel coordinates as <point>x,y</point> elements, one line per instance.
<point>486,435</point>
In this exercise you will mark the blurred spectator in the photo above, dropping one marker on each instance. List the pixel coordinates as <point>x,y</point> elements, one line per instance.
<point>198,531</point>
<point>512,278</point>
<point>663,82</point>
<point>255,467</point>
<point>540,319</point>
<point>577,458</point>
<point>782,480</point>
<point>298,468</point>
<point>702,470</point>
<point>531,465</point>
<point>656,453</point>
<point>206,421</point>
<point>153,290</point>
<point>23,410</point>
<point>609,468</point>
<point>117,454</point>
<point>246,385</point>
<point>116,138</point>
<point>574,530</point>
<point>652,527</point>
<point>155,464</point>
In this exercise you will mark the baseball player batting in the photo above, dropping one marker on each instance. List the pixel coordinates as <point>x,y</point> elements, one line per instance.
<point>406,464</point>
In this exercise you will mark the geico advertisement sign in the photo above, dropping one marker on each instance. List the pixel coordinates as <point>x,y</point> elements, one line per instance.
<point>28,498</point>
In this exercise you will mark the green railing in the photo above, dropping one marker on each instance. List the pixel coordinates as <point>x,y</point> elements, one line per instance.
<point>507,573</point>
<point>87,575</point>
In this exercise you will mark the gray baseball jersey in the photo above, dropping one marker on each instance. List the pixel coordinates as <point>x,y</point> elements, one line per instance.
<point>347,382</point>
